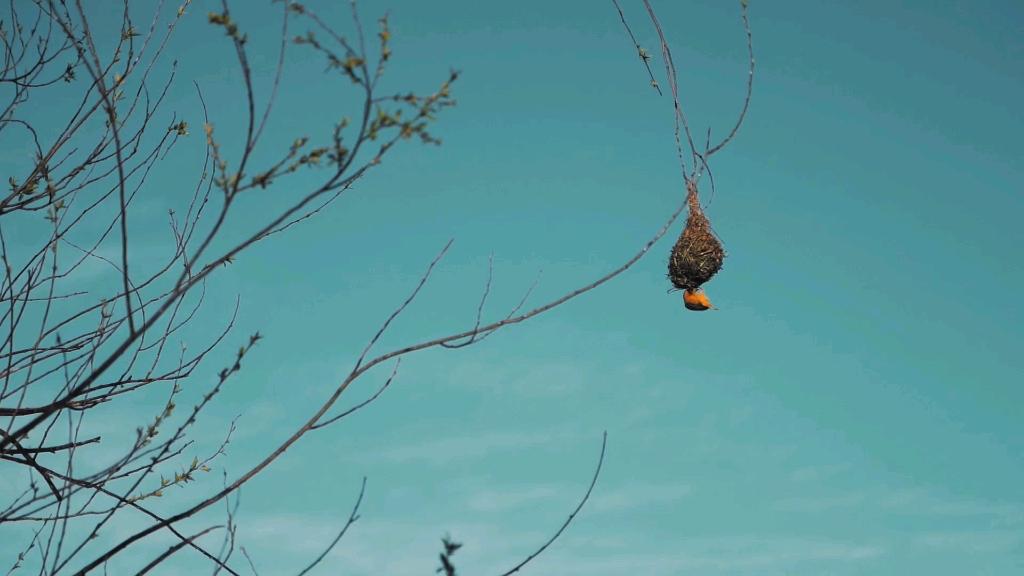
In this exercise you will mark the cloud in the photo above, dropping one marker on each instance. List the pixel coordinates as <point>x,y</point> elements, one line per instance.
<point>927,503</point>
<point>740,415</point>
<point>801,504</point>
<point>971,541</point>
<point>380,547</point>
<point>638,496</point>
<point>617,500</point>
<point>105,262</point>
<point>474,446</point>
<point>1008,511</point>
<point>497,501</point>
<point>385,548</point>
<point>819,472</point>
<point>535,379</point>
<point>914,502</point>
<point>725,555</point>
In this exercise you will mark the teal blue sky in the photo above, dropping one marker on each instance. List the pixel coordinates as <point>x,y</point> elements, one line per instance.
<point>853,407</point>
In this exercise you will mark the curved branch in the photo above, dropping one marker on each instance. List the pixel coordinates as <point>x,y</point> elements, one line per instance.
<point>351,520</point>
<point>600,460</point>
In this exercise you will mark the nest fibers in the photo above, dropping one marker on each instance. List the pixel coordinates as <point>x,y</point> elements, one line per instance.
<point>697,255</point>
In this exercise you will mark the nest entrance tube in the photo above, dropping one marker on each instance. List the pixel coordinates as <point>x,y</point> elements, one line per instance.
<point>697,255</point>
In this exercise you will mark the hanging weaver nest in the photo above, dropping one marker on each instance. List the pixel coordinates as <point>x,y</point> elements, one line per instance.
<point>697,255</point>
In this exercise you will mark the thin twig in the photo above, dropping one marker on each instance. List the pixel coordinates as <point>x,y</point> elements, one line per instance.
<point>593,481</point>
<point>351,520</point>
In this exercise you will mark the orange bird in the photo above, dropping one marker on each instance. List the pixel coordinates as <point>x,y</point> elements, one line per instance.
<point>696,300</point>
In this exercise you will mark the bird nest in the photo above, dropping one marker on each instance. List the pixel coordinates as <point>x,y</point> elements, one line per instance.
<point>698,254</point>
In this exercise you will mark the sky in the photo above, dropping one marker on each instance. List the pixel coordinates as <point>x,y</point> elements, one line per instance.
<point>854,406</point>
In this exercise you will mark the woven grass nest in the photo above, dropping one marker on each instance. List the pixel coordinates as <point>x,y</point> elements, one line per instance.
<point>698,254</point>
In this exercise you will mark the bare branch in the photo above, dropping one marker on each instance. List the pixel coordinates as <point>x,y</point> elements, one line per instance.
<point>351,520</point>
<point>593,481</point>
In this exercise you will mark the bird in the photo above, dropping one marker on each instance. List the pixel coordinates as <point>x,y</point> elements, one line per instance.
<point>696,300</point>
